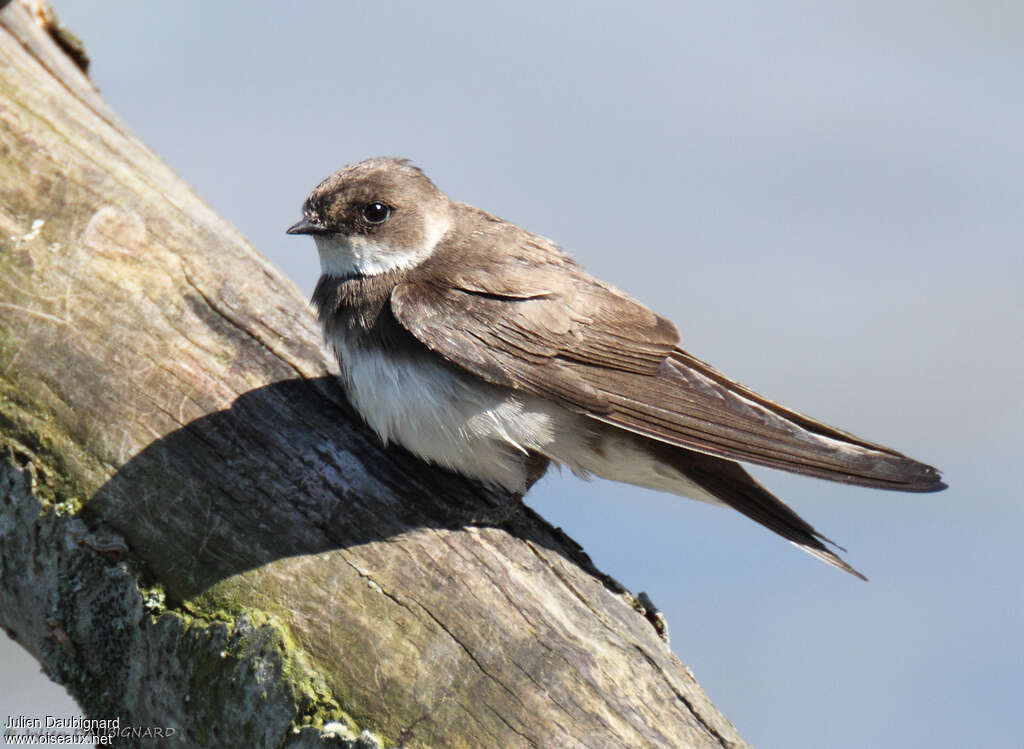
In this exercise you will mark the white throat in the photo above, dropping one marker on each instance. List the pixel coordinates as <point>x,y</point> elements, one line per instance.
<point>343,255</point>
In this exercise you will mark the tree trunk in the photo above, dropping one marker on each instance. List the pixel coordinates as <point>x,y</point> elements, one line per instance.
<point>197,534</point>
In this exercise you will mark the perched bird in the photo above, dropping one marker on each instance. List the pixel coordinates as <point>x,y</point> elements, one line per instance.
<point>484,348</point>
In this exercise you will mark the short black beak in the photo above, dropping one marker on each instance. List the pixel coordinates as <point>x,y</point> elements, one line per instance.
<point>305,226</point>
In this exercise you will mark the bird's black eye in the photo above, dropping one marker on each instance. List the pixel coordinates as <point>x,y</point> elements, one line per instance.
<point>376,212</point>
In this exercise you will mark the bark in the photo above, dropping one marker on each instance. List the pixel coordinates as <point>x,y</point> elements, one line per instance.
<point>196,531</point>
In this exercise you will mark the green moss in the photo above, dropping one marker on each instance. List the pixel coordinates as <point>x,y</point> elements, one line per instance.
<point>33,439</point>
<point>69,507</point>
<point>228,602</point>
<point>259,636</point>
<point>242,665</point>
<point>154,599</point>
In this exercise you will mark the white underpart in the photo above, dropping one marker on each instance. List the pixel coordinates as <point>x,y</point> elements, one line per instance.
<point>342,255</point>
<point>485,431</point>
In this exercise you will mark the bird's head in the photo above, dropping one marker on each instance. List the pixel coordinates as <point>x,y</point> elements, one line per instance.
<point>374,216</point>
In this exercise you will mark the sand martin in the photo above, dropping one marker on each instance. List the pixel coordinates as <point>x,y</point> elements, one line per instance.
<point>485,348</point>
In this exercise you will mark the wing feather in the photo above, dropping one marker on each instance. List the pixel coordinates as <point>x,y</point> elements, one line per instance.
<point>582,343</point>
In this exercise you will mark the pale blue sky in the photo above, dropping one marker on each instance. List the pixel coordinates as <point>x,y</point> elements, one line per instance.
<point>827,198</point>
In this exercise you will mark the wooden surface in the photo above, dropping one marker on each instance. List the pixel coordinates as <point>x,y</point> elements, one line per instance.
<point>162,381</point>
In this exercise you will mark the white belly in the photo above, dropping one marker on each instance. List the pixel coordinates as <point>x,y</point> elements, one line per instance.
<point>485,431</point>
<point>443,416</point>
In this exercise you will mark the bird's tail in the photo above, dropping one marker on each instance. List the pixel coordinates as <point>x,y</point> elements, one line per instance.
<point>729,484</point>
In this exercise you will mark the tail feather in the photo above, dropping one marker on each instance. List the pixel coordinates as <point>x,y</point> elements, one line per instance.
<point>731,485</point>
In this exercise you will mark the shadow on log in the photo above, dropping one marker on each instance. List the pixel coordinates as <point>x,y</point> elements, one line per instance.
<point>279,484</point>
<point>170,424</point>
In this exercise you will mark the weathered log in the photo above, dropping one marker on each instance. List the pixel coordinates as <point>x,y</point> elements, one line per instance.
<point>196,532</point>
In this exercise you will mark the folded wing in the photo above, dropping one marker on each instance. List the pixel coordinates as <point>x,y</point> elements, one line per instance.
<point>565,336</point>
